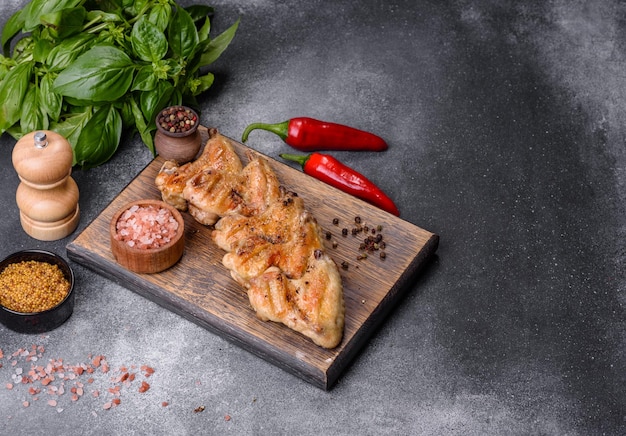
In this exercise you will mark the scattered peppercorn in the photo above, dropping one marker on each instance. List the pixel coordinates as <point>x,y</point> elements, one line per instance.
<point>31,286</point>
<point>372,242</point>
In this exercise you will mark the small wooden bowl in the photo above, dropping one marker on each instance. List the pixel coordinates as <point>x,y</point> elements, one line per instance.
<point>148,260</point>
<point>46,320</point>
<point>181,147</point>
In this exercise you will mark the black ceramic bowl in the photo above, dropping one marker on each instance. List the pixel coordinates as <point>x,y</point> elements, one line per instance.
<point>46,320</point>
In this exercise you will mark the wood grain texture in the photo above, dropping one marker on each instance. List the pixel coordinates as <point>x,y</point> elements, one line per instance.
<point>200,288</point>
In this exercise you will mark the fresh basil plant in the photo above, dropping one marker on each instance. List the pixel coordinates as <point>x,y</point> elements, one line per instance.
<point>92,70</point>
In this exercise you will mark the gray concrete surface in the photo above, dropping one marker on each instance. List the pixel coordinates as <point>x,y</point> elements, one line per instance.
<point>506,129</point>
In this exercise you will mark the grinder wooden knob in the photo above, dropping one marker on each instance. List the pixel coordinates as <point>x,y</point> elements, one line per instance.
<point>47,195</point>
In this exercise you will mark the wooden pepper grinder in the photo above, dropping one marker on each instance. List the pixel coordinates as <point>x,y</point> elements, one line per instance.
<point>47,195</point>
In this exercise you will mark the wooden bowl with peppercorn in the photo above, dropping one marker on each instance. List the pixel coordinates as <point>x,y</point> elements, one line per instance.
<point>36,291</point>
<point>147,236</point>
<point>177,137</point>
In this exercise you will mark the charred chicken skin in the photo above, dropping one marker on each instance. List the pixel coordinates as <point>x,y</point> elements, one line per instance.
<point>274,246</point>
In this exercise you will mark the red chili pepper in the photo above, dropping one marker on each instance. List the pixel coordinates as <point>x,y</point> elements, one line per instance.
<point>329,170</point>
<point>308,134</point>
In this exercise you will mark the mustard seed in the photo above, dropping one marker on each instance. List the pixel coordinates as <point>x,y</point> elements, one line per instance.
<point>32,286</point>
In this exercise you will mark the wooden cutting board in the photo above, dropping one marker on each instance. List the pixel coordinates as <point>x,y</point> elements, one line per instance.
<point>200,288</point>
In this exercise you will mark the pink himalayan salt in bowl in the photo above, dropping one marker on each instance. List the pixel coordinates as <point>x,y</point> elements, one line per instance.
<point>147,236</point>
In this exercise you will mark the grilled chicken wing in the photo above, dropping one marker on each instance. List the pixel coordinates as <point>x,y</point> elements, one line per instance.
<point>279,257</point>
<point>218,156</point>
<point>274,245</point>
<point>309,305</point>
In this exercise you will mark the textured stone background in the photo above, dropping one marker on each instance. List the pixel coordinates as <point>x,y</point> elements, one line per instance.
<point>506,128</point>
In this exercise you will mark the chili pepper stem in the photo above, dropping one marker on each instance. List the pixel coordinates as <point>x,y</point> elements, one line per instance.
<point>301,159</point>
<point>279,128</point>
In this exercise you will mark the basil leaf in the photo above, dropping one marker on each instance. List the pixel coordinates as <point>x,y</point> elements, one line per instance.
<point>31,117</point>
<point>205,83</point>
<point>152,102</point>
<point>66,51</point>
<point>103,73</point>
<point>182,34</point>
<point>11,28</point>
<point>126,111</point>
<point>177,99</point>
<point>99,139</point>
<point>41,49</point>
<point>51,102</point>
<point>159,15</point>
<point>4,67</point>
<point>149,43</point>
<point>135,7</point>
<point>203,32</point>
<point>72,125</point>
<point>198,12</point>
<point>12,91</point>
<point>64,23</point>
<point>145,80</point>
<point>191,101</point>
<point>37,8</point>
<point>142,127</point>
<point>23,50</point>
<point>218,44</point>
